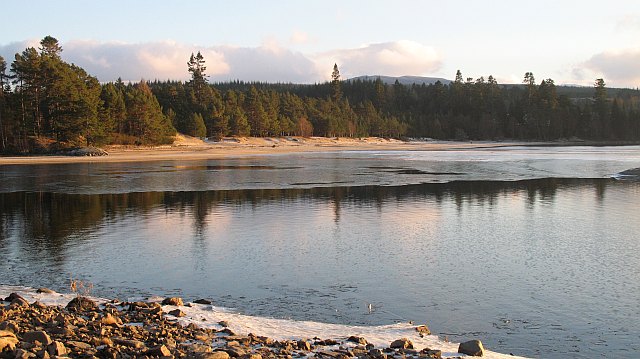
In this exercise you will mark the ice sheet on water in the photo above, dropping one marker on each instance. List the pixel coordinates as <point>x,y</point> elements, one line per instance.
<point>279,329</point>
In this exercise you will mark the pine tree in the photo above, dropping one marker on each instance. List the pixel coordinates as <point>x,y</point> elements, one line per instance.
<point>336,86</point>
<point>197,68</point>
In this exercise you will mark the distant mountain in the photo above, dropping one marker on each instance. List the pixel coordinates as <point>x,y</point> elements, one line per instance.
<point>404,80</point>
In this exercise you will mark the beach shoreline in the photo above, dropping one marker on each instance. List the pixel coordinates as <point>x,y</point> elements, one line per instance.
<point>188,148</point>
<point>35,321</point>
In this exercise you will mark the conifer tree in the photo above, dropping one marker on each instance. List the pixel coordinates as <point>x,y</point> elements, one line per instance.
<point>336,86</point>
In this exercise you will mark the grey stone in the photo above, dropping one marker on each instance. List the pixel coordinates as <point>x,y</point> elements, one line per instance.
<point>81,304</point>
<point>202,301</point>
<point>472,347</point>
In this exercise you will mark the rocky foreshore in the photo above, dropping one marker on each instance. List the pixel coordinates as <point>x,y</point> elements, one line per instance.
<point>86,329</point>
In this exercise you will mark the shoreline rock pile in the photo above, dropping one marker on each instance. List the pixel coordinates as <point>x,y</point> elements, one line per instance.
<point>84,329</point>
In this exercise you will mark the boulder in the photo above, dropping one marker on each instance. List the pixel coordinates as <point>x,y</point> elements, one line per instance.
<point>472,348</point>
<point>45,290</point>
<point>177,313</point>
<point>7,340</point>
<point>129,343</point>
<point>159,351</point>
<point>9,326</point>
<point>432,354</point>
<point>37,336</point>
<point>357,340</point>
<point>202,301</point>
<point>173,301</point>
<point>79,345</point>
<point>214,355</point>
<point>109,319</point>
<point>87,151</point>
<point>423,329</point>
<point>12,296</point>
<point>304,345</point>
<point>57,348</point>
<point>234,351</point>
<point>19,302</point>
<point>81,304</point>
<point>403,343</point>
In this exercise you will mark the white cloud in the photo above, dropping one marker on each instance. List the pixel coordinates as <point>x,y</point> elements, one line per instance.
<point>629,22</point>
<point>620,68</point>
<point>390,58</point>
<point>269,62</point>
<point>299,38</point>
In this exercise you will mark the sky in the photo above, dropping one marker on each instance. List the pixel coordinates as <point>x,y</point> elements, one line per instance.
<point>571,42</point>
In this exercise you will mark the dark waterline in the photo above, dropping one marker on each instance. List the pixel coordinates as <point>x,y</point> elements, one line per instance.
<point>543,267</point>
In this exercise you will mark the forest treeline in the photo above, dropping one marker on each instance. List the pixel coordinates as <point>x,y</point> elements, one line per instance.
<point>43,99</point>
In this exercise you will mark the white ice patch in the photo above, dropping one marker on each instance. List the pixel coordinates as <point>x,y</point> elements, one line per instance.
<point>208,316</point>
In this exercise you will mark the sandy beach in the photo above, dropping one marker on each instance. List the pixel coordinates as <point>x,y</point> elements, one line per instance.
<point>189,148</point>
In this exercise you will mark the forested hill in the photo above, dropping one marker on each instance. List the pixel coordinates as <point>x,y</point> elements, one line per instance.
<point>45,99</point>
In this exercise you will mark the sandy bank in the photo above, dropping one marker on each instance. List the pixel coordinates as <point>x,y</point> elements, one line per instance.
<point>189,148</point>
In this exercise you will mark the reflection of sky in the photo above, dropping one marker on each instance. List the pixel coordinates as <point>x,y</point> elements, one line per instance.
<point>307,170</point>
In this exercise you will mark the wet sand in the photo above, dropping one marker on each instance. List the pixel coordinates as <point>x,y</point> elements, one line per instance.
<point>188,148</point>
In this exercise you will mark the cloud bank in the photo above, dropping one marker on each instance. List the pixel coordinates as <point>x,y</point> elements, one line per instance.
<point>269,62</point>
<point>619,67</point>
<point>390,58</point>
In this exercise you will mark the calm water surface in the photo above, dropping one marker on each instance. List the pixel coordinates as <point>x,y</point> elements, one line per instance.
<point>533,250</point>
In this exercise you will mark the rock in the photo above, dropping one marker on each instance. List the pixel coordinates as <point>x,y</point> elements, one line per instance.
<point>23,354</point>
<point>304,345</point>
<point>434,354</point>
<point>19,302</point>
<point>357,340</point>
<point>57,348</point>
<point>37,335</point>
<point>131,343</point>
<point>81,304</point>
<point>472,347</point>
<point>423,329</point>
<point>403,343</point>
<point>173,301</point>
<point>79,345</point>
<point>9,326</point>
<point>234,351</point>
<point>45,290</point>
<point>214,355</point>
<point>251,356</point>
<point>87,151</point>
<point>7,340</point>
<point>12,296</point>
<point>109,319</point>
<point>177,313</point>
<point>159,351</point>
<point>38,304</point>
<point>202,301</point>
<point>223,323</point>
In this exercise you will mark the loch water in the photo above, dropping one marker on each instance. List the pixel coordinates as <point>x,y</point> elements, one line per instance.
<point>533,250</point>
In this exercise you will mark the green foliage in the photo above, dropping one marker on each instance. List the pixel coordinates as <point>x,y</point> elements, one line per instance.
<point>45,97</point>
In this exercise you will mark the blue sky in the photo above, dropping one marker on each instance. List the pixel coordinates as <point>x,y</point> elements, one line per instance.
<point>570,41</point>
